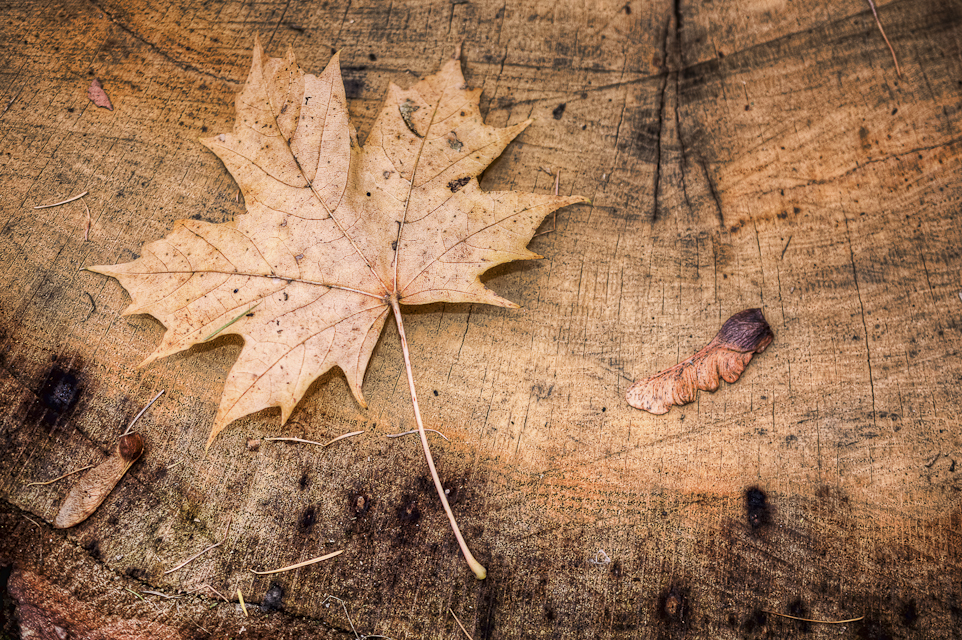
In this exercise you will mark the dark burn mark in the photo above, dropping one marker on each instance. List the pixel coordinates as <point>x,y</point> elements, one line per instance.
<point>559,111</point>
<point>673,606</point>
<point>60,390</point>
<point>757,509</point>
<point>360,504</point>
<point>798,609</point>
<point>409,513</point>
<point>136,573</point>
<point>456,185</point>
<point>757,620</point>
<point>308,518</point>
<point>909,613</point>
<point>302,483</point>
<point>273,597</point>
<point>92,547</point>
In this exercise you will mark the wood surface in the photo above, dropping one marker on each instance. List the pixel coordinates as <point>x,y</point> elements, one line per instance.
<point>737,155</point>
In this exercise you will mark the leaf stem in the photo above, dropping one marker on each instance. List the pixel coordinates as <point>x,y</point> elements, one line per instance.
<point>479,571</point>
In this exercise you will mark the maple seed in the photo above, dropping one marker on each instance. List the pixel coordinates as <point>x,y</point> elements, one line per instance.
<point>345,259</point>
<point>95,485</point>
<point>726,356</point>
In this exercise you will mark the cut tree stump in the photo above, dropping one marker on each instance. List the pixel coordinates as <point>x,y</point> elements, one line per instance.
<point>736,154</point>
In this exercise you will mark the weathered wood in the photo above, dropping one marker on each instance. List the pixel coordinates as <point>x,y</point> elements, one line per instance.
<point>737,155</point>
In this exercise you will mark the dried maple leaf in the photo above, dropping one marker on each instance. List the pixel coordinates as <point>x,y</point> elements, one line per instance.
<point>336,234</point>
<point>740,338</point>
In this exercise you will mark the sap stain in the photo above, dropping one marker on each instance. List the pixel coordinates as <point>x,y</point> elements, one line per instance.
<point>757,509</point>
<point>60,390</point>
<point>273,597</point>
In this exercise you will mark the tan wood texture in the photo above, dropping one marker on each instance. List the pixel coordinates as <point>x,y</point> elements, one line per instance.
<point>736,154</point>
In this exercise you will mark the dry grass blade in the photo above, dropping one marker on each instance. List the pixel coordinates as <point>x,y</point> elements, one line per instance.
<point>192,558</point>
<point>58,478</point>
<point>785,615</point>
<point>299,564</point>
<point>57,204</point>
<point>240,597</point>
<point>459,624</point>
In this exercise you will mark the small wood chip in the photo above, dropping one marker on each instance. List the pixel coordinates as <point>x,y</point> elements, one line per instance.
<point>98,96</point>
<point>299,564</point>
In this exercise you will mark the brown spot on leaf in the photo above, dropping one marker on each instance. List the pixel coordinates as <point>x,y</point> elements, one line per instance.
<point>455,185</point>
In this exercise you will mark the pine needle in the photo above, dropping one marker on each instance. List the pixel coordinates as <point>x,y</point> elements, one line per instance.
<point>785,615</point>
<point>244,313</point>
<point>142,411</point>
<point>320,444</point>
<point>192,558</point>
<point>459,624</point>
<point>57,204</point>
<point>407,433</point>
<point>57,479</point>
<point>884,37</point>
<point>299,564</point>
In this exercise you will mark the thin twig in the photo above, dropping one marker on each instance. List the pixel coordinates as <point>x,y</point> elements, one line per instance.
<point>243,313</point>
<point>240,596</point>
<point>320,444</point>
<point>459,624</point>
<point>36,523</point>
<point>192,558</point>
<point>57,204</point>
<point>60,477</point>
<point>87,228</point>
<point>137,417</point>
<point>407,433</point>
<point>299,564</point>
<point>785,615</point>
<point>479,571</point>
<point>882,31</point>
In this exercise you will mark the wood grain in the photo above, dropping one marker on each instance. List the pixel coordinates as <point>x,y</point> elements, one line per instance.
<point>756,154</point>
